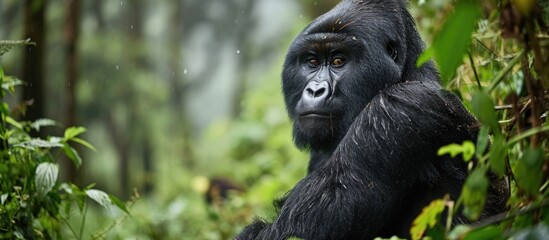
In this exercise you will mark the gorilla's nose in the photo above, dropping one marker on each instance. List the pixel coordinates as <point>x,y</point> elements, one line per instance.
<point>316,93</point>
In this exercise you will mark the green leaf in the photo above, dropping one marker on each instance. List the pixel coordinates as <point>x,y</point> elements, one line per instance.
<point>3,198</point>
<point>72,132</point>
<point>482,141</point>
<point>118,203</point>
<point>77,194</point>
<point>100,197</point>
<point>540,231</point>
<point>5,109</point>
<point>425,57</point>
<point>72,154</point>
<point>452,149</point>
<point>451,43</point>
<point>483,108</point>
<point>529,172</point>
<point>19,235</point>
<point>498,154</point>
<point>8,82</point>
<point>83,142</point>
<point>38,143</point>
<point>467,148</point>
<point>42,123</point>
<point>14,122</point>
<point>458,232</point>
<point>474,193</point>
<point>427,219</point>
<point>46,177</point>
<point>491,232</point>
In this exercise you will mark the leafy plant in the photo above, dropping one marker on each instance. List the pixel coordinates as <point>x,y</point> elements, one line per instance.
<point>506,84</point>
<point>33,202</point>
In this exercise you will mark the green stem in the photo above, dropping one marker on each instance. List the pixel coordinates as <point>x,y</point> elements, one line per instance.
<point>527,134</point>
<point>70,227</point>
<point>498,78</point>
<point>84,214</point>
<point>474,70</point>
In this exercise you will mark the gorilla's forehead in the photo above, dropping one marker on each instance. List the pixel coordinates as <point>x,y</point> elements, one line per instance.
<point>359,17</point>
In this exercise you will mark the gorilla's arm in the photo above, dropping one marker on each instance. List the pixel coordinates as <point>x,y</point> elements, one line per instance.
<point>382,159</point>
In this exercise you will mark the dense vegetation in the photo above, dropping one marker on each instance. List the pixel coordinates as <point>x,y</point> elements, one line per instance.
<point>500,73</point>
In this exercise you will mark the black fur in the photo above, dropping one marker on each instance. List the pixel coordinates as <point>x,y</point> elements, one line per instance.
<point>373,125</point>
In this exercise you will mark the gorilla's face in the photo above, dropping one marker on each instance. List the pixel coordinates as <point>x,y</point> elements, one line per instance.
<point>335,67</point>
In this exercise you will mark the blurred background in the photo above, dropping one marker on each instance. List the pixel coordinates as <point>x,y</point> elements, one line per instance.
<point>181,99</point>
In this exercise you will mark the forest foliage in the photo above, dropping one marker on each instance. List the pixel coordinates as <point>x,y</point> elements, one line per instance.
<point>492,54</point>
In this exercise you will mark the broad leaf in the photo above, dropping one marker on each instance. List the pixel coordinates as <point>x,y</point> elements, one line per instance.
<point>72,154</point>
<point>483,108</point>
<point>72,132</point>
<point>474,193</point>
<point>467,148</point>
<point>42,123</point>
<point>46,177</point>
<point>540,231</point>
<point>451,43</point>
<point>38,143</point>
<point>100,197</point>
<point>427,219</point>
<point>528,171</point>
<point>490,232</point>
<point>482,141</point>
<point>498,154</point>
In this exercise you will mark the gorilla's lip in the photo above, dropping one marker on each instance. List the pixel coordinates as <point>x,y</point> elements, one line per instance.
<point>311,114</point>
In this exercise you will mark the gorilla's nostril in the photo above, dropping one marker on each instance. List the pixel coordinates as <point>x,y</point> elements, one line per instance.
<point>319,92</point>
<point>310,92</point>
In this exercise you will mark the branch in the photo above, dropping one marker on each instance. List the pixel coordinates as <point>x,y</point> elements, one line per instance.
<point>6,45</point>
<point>508,215</point>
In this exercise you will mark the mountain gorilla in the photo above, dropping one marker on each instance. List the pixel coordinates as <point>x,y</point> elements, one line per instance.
<point>373,123</point>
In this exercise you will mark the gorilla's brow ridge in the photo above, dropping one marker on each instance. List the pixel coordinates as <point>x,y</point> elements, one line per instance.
<point>327,41</point>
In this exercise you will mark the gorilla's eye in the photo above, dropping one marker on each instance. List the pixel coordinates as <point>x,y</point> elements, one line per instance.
<point>392,50</point>
<point>338,62</point>
<point>313,62</point>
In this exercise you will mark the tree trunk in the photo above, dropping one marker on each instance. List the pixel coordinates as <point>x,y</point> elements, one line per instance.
<point>148,168</point>
<point>33,59</point>
<point>72,21</point>
<point>120,141</point>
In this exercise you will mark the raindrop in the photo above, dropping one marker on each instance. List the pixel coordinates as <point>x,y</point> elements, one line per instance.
<point>131,26</point>
<point>237,51</point>
<point>117,67</point>
<point>120,3</point>
<point>185,71</point>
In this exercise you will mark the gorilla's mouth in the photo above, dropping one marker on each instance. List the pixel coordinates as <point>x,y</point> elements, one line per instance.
<point>309,115</point>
